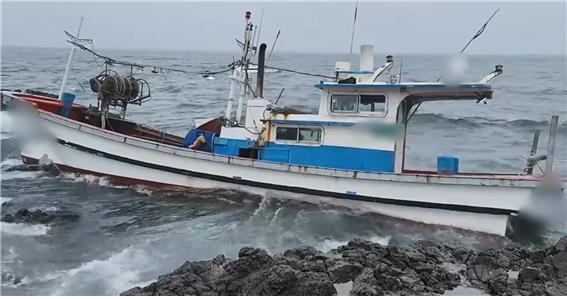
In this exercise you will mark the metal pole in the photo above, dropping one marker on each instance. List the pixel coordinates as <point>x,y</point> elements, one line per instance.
<point>530,167</point>
<point>69,60</point>
<point>551,144</point>
<point>260,73</point>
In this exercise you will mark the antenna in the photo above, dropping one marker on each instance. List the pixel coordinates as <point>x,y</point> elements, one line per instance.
<point>477,34</point>
<point>259,27</point>
<point>480,31</point>
<point>272,49</point>
<point>353,29</point>
<point>401,66</point>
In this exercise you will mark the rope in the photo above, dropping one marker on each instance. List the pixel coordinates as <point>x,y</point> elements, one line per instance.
<point>296,72</point>
<point>155,69</point>
<point>159,69</point>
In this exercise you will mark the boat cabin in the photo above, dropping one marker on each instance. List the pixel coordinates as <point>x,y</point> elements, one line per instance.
<point>360,125</point>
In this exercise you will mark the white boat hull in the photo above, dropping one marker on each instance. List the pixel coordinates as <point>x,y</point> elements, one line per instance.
<point>473,203</point>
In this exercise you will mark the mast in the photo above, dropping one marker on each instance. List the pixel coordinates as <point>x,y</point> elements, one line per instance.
<point>69,61</point>
<point>239,77</point>
<point>244,66</point>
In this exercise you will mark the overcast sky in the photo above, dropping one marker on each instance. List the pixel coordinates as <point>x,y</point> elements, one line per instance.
<point>406,27</point>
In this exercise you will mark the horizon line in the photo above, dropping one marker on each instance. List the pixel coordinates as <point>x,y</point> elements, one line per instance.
<point>281,51</point>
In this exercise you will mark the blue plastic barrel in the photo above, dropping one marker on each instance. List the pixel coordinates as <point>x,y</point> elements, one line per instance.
<point>68,99</point>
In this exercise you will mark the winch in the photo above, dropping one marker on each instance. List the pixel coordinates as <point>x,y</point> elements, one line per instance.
<point>115,90</point>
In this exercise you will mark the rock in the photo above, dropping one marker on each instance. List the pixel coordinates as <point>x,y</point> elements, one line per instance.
<point>39,217</point>
<point>313,283</point>
<point>478,273</point>
<point>559,262</point>
<point>423,268</point>
<point>497,282</point>
<point>365,284</point>
<point>136,291</point>
<point>528,275</point>
<point>553,288</point>
<point>301,252</point>
<point>561,245</point>
<point>343,272</point>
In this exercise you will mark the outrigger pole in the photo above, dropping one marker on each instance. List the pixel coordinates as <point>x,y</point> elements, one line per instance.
<point>69,61</point>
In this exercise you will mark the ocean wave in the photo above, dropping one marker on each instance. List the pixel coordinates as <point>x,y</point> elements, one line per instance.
<point>477,122</point>
<point>7,163</point>
<point>121,271</point>
<point>20,175</point>
<point>4,200</point>
<point>22,229</point>
<point>9,279</point>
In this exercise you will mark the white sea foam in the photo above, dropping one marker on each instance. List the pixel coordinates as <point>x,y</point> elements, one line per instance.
<point>4,200</point>
<point>329,244</point>
<point>19,175</point>
<point>22,229</point>
<point>273,221</point>
<point>6,135</point>
<point>104,182</point>
<point>6,122</point>
<point>110,276</point>
<point>10,162</point>
<point>12,175</point>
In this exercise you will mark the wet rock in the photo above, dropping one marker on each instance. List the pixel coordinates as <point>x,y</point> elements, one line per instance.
<point>365,284</point>
<point>301,252</point>
<point>561,245</point>
<point>554,288</point>
<point>478,273</point>
<point>559,262</point>
<point>497,282</point>
<point>313,283</point>
<point>39,217</point>
<point>343,271</point>
<point>423,268</point>
<point>528,275</point>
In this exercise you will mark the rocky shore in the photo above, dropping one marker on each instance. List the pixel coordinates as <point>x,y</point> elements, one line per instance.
<point>39,217</point>
<point>366,268</point>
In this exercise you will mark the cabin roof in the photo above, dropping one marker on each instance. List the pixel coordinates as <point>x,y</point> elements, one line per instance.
<point>407,85</point>
<point>423,90</point>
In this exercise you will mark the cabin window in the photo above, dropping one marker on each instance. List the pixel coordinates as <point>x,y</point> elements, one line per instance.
<point>309,135</point>
<point>372,104</point>
<point>359,104</point>
<point>344,103</point>
<point>286,133</point>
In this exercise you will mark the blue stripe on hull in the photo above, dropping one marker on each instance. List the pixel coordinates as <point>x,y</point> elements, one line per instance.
<point>322,156</point>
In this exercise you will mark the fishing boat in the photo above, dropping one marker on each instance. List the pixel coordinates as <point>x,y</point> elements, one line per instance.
<point>350,153</point>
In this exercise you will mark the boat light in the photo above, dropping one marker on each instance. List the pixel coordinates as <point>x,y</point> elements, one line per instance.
<point>247,16</point>
<point>498,68</point>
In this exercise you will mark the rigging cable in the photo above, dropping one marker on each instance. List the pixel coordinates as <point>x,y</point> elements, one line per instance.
<point>158,69</point>
<point>295,71</point>
<point>155,69</point>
